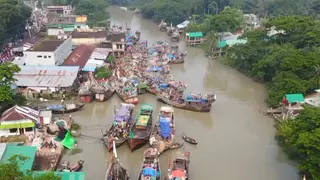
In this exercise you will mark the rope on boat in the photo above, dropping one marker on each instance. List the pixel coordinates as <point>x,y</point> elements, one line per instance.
<point>90,136</point>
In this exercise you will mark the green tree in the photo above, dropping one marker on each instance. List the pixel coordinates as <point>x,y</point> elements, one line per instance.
<point>110,59</point>
<point>103,72</point>
<point>11,171</point>
<point>13,18</point>
<point>300,139</point>
<point>8,97</point>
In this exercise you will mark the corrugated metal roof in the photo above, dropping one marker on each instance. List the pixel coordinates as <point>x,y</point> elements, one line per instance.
<point>65,175</point>
<point>46,76</point>
<point>18,113</point>
<point>28,151</point>
<point>3,147</point>
<point>80,56</point>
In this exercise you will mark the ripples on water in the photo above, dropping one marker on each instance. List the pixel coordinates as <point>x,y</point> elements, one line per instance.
<point>236,140</point>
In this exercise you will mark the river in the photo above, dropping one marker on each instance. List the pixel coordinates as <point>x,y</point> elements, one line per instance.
<point>236,139</point>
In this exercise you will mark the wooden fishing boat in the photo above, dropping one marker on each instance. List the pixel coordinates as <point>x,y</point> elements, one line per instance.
<point>119,131</point>
<point>116,170</point>
<point>103,92</point>
<point>86,96</point>
<point>67,167</point>
<point>189,139</point>
<point>164,131</point>
<point>163,26</point>
<point>141,130</point>
<point>202,104</point>
<point>67,108</point>
<point>128,93</point>
<point>175,37</point>
<point>150,168</point>
<point>175,145</point>
<point>180,167</point>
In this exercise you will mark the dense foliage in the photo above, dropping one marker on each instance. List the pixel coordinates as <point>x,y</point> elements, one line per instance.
<point>13,18</point>
<point>103,72</point>
<point>95,9</point>
<point>8,97</point>
<point>11,171</point>
<point>300,139</point>
<point>288,61</point>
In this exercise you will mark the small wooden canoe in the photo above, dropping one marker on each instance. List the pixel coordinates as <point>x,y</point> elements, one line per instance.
<point>189,139</point>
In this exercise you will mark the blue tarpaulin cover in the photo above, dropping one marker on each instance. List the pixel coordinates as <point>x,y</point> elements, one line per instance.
<point>55,106</point>
<point>170,56</point>
<point>129,43</point>
<point>191,99</point>
<point>149,172</point>
<point>155,68</point>
<point>164,86</point>
<point>164,124</point>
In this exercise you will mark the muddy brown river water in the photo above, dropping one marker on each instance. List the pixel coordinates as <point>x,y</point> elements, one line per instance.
<point>236,139</point>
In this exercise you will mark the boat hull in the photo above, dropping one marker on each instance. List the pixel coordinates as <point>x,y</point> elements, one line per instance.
<point>86,98</point>
<point>131,100</point>
<point>109,146</point>
<point>199,108</point>
<point>151,91</point>
<point>54,111</point>
<point>135,144</point>
<point>105,96</point>
<point>179,61</point>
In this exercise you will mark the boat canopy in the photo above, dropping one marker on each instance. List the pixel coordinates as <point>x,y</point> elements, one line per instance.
<point>148,171</point>
<point>166,109</point>
<point>178,174</point>
<point>155,68</point>
<point>190,98</point>
<point>170,56</point>
<point>146,107</point>
<point>164,124</point>
<point>143,120</point>
<point>122,115</point>
<point>56,107</point>
<point>163,86</point>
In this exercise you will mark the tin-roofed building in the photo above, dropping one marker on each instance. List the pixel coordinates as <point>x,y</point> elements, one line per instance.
<point>50,80</point>
<point>80,56</point>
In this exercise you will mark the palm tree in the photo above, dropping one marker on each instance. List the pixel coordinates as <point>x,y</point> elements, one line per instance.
<point>212,40</point>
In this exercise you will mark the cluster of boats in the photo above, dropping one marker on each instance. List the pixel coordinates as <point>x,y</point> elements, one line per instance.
<point>146,69</point>
<point>139,131</point>
<point>171,31</point>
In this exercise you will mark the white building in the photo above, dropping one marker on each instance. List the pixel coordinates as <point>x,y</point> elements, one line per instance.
<point>51,51</point>
<point>19,120</point>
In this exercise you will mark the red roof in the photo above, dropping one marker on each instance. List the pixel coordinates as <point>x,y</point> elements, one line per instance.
<point>19,113</point>
<point>80,56</point>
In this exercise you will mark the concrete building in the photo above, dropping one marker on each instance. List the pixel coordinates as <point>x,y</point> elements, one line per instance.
<point>88,38</point>
<point>46,81</point>
<point>118,43</point>
<point>18,120</point>
<point>56,29</point>
<point>50,51</point>
<point>80,56</point>
<point>60,9</point>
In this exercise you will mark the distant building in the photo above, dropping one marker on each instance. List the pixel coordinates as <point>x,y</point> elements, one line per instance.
<point>50,51</point>
<point>60,9</point>
<point>88,38</point>
<point>56,29</point>
<point>118,43</point>
<point>52,81</point>
<point>252,21</point>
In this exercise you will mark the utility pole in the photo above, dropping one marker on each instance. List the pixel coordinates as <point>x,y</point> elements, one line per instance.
<point>28,27</point>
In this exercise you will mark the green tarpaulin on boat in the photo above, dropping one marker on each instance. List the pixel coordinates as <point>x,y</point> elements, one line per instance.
<point>131,135</point>
<point>146,107</point>
<point>68,141</point>
<point>143,120</point>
